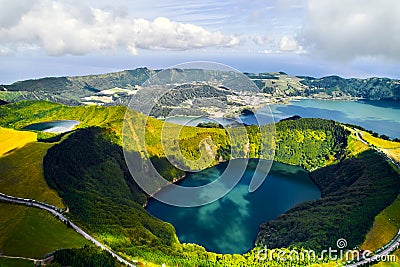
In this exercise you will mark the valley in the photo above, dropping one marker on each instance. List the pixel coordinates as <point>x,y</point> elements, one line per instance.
<point>84,169</point>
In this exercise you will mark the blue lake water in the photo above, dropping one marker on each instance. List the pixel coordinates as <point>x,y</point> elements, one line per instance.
<point>60,126</point>
<point>231,224</point>
<point>380,116</point>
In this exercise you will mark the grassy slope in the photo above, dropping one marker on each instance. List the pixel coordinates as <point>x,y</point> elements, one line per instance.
<point>11,140</point>
<point>354,146</point>
<point>392,149</point>
<point>18,115</point>
<point>4,262</point>
<point>379,142</point>
<point>386,226</point>
<point>22,174</point>
<point>21,114</point>
<point>33,233</point>
<point>386,223</point>
<point>111,118</point>
<point>354,192</point>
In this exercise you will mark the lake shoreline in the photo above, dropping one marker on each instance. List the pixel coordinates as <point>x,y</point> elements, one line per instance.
<point>55,126</point>
<point>286,186</point>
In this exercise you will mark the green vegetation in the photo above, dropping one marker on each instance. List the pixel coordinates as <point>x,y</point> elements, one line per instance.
<point>70,90</point>
<point>22,174</point>
<point>370,88</point>
<point>31,232</point>
<point>88,256</point>
<point>5,262</point>
<point>355,146</point>
<point>294,117</point>
<point>21,114</point>
<point>88,170</point>
<point>310,143</point>
<point>7,96</point>
<point>73,90</point>
<point>390,148</point>
<point>95,181</point>
<point>385,227</point>
<point>353,193</point>
<point>209,125</point>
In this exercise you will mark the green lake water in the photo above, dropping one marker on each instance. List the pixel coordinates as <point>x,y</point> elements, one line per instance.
<point>231,224</point>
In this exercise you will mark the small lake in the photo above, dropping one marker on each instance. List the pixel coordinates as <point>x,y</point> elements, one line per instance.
<point>60,126</point>
<point>231,224</point>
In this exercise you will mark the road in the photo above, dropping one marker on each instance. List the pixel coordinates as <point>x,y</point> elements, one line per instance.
<point>57,214</point>
<point>395,242</point>
<point>380,254</point>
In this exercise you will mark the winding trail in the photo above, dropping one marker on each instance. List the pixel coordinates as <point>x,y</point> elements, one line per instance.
<point>57,213</point>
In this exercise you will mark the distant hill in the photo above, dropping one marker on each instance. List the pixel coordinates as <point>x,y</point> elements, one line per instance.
<point>71,90</point>
<point>370,88</point>
<point>282,85</point>
<point>114,88</point>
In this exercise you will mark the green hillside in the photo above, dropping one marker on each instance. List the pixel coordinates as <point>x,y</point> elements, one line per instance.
<point>371,88</point>
<point>70,90</point>
<point>87,169</point>
<point>5,262</point>
<point>106,202</point>
<point>30,232</point>
<point>354,192</point>
<point>310,143</point>
<point>22,174</point>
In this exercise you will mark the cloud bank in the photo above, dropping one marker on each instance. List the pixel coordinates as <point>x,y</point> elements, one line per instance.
<point>350,29</point>
<point>61,28</point>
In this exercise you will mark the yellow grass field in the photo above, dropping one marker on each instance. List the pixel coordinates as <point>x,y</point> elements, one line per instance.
<point>394,153</point>
<point>22,172</point>
<point>390,148</point>
<point>12,139</point>
<point>378,142</point>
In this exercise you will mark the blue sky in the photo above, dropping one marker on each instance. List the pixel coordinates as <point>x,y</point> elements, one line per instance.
<point>351,38</point>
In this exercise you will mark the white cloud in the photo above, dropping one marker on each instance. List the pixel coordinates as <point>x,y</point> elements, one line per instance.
<point>279,44</point>
<point>66,28</point>
<point>289,44</point>
<point>262,40</point>
<point>350,29</point>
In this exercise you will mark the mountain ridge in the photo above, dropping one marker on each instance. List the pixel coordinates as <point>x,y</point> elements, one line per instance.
<point>78,90</point>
